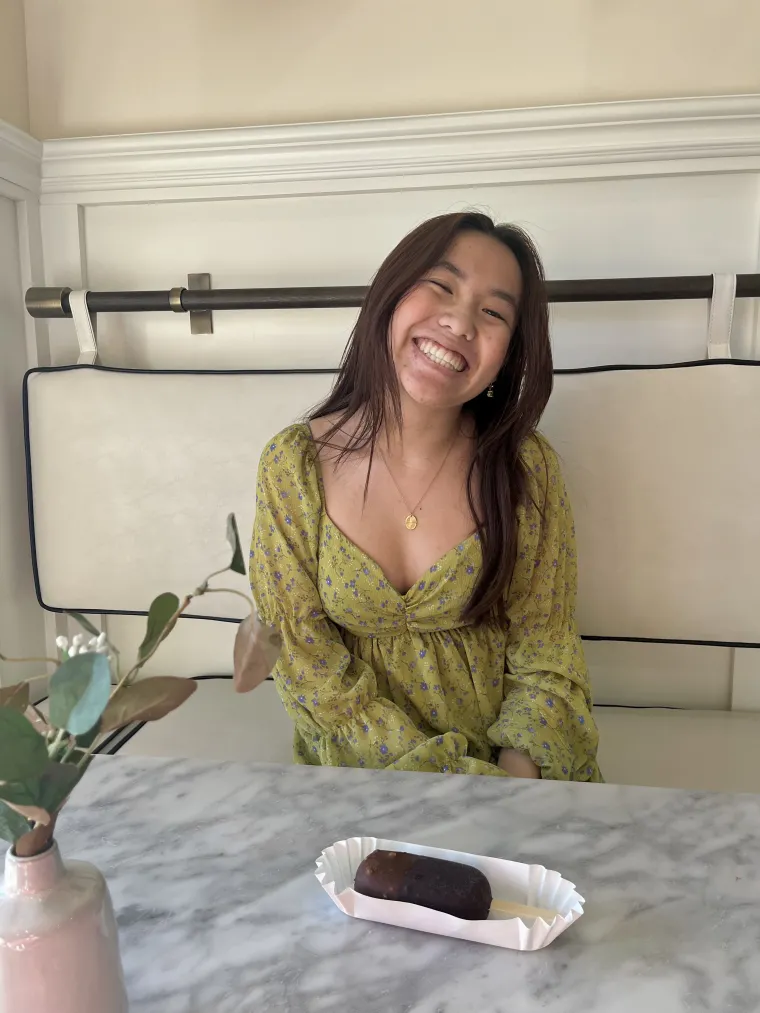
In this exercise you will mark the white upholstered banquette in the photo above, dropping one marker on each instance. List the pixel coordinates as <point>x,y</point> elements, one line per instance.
<point>132,473</point>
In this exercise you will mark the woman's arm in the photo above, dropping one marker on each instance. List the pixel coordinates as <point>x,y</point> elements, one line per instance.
<point>329,693</point>
<point>546,715</point>
<point>518,764</point>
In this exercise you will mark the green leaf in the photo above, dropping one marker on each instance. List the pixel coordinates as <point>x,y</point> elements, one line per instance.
<point>23,753</point>
<point>161,612</point>
<point>16,696</point>
<point>79,692</point>
<point>56,784</point>
<point>146,700</point>
<point>85,623</point>
<point>20,792</point>
<point>238,563</point>
<point>12,824</point>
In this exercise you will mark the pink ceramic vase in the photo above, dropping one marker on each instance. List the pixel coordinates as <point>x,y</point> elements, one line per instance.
<point>59,948</point>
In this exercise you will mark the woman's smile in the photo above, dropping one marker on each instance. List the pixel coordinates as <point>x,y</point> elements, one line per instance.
<point>440,355</point>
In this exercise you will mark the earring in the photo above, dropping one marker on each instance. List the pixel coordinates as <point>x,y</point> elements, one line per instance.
<point>489,392</point>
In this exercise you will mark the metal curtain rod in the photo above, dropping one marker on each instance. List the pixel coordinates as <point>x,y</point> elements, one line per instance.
<point>54,302</point>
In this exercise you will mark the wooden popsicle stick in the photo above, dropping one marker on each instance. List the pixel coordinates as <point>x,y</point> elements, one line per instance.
<point>514,910</point>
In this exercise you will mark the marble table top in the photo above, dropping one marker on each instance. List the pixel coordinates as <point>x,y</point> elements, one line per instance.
<point>211,869</point>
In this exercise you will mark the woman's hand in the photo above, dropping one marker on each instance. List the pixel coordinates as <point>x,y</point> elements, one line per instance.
<point>518,764</point>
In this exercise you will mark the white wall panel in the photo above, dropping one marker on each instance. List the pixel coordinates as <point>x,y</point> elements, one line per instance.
<point>628,227</point>
<point>21,619</point>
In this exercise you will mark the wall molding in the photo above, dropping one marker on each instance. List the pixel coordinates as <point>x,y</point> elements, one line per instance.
<point>20,158</point>
<point>560,142</point>
<point>610,139</point>
<point>20,174</point>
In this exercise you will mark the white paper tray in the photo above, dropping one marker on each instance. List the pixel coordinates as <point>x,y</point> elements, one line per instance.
<point>510,881</point>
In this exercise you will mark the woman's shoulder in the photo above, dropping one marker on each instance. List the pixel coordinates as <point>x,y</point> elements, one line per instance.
<point>290,452</point>
<point>295,438</point>
<point>540,458</point>
<point>546,486</point>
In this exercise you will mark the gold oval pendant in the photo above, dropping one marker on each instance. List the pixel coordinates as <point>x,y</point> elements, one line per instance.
<point>411,522</point>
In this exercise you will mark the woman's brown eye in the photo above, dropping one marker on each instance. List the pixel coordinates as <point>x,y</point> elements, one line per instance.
<point>498,316</point>
<point>440,284</point>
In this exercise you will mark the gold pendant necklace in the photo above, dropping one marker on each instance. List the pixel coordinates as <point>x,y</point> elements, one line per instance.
<point>411,521</point>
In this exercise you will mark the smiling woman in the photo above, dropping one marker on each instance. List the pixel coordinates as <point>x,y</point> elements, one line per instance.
<point>414,542</point>
<point>457,301</point>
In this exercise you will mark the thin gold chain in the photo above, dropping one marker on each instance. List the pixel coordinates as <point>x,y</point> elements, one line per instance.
<point>411,519</point>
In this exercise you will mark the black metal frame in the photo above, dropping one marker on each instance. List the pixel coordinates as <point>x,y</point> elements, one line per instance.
<point>54,302</point>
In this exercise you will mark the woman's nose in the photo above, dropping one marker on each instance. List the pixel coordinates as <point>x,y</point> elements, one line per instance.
<point>460,321</point>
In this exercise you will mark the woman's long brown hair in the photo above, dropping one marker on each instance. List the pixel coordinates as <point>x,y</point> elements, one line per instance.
<point>367,390</point>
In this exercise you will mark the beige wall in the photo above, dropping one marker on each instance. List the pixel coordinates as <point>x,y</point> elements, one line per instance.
<point>14,96</point>
<point>102,67</point>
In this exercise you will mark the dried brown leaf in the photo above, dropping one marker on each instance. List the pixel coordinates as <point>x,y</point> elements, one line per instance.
<point>16,696</point>
<point>146,700</point>
<point>31,812</point>
<point>257,648</point>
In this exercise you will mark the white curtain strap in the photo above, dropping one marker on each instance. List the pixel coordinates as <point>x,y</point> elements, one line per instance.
<point>85,327</point>
<point>721,316</point>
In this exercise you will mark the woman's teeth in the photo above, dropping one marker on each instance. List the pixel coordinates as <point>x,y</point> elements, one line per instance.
<point>443,356</point>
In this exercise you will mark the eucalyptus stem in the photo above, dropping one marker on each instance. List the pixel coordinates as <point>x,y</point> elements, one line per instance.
<point>164,634</point>
<point>205,582</point>
<point>199,591</point>
<point>69,751</point>
<point>84,758</point>
<point>53,748</point>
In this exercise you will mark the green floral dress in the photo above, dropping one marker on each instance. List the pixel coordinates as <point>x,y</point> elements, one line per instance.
<point>375,678</point>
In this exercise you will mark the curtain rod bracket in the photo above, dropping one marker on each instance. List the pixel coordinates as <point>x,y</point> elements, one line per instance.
<point>201,321</point>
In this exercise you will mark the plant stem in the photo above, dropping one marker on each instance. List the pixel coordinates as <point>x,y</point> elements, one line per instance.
<point>69,751</point>
<point>214,574</point>
<point>88,752</point>
<point>53,748</point>
<point>199,591</point>
<point>165,633</point>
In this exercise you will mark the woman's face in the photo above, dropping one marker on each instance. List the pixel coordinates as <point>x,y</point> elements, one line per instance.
<point>450,333</point>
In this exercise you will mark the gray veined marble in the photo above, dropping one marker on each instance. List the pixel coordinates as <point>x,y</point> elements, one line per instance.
<point>211,871</point>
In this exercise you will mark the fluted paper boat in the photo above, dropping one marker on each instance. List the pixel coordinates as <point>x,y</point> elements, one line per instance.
<point>510,881</point>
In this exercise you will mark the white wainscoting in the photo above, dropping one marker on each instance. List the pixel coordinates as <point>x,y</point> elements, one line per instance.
<point>23,342</point>
<point>619,189</point>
